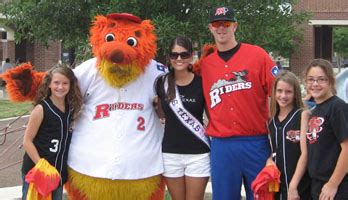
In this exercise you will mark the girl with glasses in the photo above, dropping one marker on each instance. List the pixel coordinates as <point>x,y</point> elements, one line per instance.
<point>185,147</point>
<point>327,135</point>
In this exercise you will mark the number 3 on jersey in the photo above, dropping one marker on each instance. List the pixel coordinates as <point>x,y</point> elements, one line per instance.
<point>141,124</point>
<point>55,143</point>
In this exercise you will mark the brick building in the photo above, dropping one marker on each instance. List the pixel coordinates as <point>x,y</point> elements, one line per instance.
<point>40,56</point>
<point>318,40</point>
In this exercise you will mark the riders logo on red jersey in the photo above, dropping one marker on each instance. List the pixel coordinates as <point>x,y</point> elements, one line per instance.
<point>293,135</point>
<point>314,128</point>
<point>238,81</point>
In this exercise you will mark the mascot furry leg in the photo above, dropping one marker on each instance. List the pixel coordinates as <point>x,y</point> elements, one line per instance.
<point>114,189</point>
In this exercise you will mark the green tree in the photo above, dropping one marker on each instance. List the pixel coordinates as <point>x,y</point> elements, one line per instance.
<point>265,23</point>
<point>341,41</point>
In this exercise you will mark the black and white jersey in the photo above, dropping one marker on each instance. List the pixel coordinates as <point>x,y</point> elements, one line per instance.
<point>52,139</point>
<point>285,140</point>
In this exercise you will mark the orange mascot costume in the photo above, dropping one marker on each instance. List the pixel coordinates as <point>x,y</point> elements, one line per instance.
<point>115,151</point>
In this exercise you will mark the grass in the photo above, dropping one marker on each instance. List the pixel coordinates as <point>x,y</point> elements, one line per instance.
<point>11,109</point>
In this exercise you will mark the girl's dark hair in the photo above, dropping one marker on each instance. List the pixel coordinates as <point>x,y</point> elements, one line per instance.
<point>74,96</point>
<point>186,43</point>
<point>327,67</point>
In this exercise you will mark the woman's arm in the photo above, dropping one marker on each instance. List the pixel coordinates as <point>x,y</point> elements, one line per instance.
<point>301,166</point>
<point>35,121</point>
<point>330,188</point>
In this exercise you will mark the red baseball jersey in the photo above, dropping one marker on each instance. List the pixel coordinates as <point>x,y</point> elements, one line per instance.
<point>237,91</point>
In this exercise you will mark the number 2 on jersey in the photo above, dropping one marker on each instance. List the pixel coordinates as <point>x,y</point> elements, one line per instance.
<point>141,124</point>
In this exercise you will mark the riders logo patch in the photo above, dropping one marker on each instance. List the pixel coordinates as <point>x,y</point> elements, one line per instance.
<point>314,128</point>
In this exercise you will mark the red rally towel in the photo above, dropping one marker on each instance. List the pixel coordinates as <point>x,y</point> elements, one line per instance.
<point>266,183</point>
<point>42,179</point>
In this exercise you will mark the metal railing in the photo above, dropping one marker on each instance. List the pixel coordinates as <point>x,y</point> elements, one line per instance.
<point>15,146</point>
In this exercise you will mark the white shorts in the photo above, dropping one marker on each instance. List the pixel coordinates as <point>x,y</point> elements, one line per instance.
<point>194,165</point>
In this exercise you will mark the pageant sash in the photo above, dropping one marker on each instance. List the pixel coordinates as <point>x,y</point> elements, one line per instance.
<point>186,118</point>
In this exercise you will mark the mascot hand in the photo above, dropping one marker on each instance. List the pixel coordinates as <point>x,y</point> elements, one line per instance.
<point>158,108</point>
<point>22,82</point>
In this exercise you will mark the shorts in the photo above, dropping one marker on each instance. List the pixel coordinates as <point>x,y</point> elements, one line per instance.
<point>179,165</point>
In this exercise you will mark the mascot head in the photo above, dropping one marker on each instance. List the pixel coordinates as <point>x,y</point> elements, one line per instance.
<point>123,45</point>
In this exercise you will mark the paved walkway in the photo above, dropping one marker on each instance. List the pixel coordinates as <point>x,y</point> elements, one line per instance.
<point>16,192</point>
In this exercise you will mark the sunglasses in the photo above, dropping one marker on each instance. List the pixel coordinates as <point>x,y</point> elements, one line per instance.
<point>183,55</point>
<point>225,24</point>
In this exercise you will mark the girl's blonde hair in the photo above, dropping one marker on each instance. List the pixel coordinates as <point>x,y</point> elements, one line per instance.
<point>327,67</point>
<point>291,79</point>
<point>74,96</point>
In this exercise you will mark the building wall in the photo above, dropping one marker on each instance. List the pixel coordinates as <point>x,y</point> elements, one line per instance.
<point>321,10</point>
<point>7,49</point>
<point>43,58</point>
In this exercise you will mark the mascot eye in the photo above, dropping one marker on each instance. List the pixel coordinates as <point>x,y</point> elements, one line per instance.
<point>110,37</point>
<point>132,42</point>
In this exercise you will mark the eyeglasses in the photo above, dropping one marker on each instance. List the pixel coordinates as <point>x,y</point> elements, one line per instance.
<point>225,24</point>
<point>320,80</point>
<point>183,55</point>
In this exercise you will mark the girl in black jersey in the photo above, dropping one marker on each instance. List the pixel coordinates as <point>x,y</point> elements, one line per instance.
<point>287,141</point>
<point>327,137</point>
<point>48,133</point>
<point>186,157</point>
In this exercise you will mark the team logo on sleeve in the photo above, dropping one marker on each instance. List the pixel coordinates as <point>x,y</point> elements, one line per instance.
<point>275,71</point>
<point>161,67</point>
<point>314,128</point>
<point>238,81</point>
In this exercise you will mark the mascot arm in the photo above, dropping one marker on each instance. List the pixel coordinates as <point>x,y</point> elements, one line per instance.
<point>206,50</point>
<point>22,82</point>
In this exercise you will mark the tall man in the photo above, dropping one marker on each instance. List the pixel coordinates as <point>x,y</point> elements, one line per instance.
<point>237,81</point>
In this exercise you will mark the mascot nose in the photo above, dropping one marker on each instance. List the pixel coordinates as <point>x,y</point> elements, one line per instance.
<point>117,56</point>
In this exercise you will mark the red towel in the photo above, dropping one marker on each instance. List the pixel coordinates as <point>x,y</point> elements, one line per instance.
<point>42,179</point>
<point>266,183</point>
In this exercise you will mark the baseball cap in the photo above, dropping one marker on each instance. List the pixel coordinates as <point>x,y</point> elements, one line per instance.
<point>223,13</point>
<point>126,16</point>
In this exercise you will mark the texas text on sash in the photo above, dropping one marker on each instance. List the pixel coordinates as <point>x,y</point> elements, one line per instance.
<point>186,118</point>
